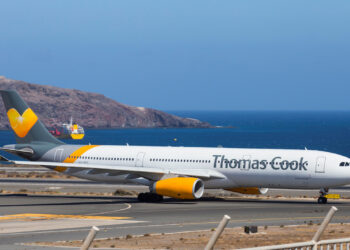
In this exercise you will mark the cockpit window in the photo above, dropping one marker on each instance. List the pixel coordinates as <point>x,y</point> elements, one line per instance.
<point>342,164</point>
<point>346,163</point>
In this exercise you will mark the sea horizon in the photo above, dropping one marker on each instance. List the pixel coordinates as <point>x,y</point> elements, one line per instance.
<point>316,130</point>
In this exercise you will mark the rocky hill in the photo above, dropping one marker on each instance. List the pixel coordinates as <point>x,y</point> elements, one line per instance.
<point>56,105</point>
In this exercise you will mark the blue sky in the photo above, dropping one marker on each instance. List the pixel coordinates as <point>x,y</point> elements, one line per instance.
<point>184,55</point>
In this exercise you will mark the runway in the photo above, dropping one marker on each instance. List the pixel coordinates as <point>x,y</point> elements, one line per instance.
<point>53,218</point>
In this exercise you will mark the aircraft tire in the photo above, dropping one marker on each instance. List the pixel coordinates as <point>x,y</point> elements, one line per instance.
<point>158,198</point>
<point>154,197</point>
<point>149,197</point>
<point>141,197</point>
<point>322,200</point>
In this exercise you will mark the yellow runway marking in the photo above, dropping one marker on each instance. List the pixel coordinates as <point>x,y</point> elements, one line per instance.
<point>58,216</point>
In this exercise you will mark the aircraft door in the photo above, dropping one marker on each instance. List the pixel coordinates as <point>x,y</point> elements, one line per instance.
<point>58,155</point>
<point>320,164</point>
<point>139,159</point>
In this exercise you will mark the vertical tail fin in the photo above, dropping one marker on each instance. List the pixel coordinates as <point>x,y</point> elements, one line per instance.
<point>24,122</point>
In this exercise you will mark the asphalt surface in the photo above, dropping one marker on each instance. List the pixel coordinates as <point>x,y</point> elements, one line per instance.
<point>32,218</point>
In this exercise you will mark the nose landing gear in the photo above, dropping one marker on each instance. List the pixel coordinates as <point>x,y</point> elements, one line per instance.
<point>322,199</point>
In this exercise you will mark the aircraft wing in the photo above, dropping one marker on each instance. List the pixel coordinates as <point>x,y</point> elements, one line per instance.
<point>119,169</point>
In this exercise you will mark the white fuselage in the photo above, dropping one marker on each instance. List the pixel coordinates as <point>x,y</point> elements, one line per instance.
<point>274,168</point>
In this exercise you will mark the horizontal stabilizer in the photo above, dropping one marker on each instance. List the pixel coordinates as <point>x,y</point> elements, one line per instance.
<point>2,158</point>
<point>24,151</point>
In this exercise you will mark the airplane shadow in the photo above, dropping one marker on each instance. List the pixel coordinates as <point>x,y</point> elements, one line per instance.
<point>242,200</point>
<point>100,200</point>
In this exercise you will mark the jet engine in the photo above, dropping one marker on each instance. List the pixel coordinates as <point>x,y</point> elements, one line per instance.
<point>248,190</point>
<point>179,187</point>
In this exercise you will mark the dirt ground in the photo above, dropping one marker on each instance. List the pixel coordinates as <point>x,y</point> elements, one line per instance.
<point>232,238</point>
<point>31,175</point>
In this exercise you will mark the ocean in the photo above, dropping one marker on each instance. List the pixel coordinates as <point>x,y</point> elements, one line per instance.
<point>321,130</point>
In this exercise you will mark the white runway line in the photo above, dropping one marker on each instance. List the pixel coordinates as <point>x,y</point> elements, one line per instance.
<point>128,206</point>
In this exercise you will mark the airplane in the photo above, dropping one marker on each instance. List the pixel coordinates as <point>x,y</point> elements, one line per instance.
<point>177,172</point>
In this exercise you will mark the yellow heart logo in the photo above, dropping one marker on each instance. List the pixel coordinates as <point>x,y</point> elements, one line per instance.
<point>21,124</point>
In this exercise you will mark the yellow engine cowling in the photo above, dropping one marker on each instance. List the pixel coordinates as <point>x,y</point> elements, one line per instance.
<point>179,187</point>
<point>248,190</point>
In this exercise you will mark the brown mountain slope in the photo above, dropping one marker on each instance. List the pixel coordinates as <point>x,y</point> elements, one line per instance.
<point>56,105</point>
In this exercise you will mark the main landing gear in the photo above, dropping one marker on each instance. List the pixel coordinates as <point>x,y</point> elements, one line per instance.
<point>150,197</point>
<point>322,199</point>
